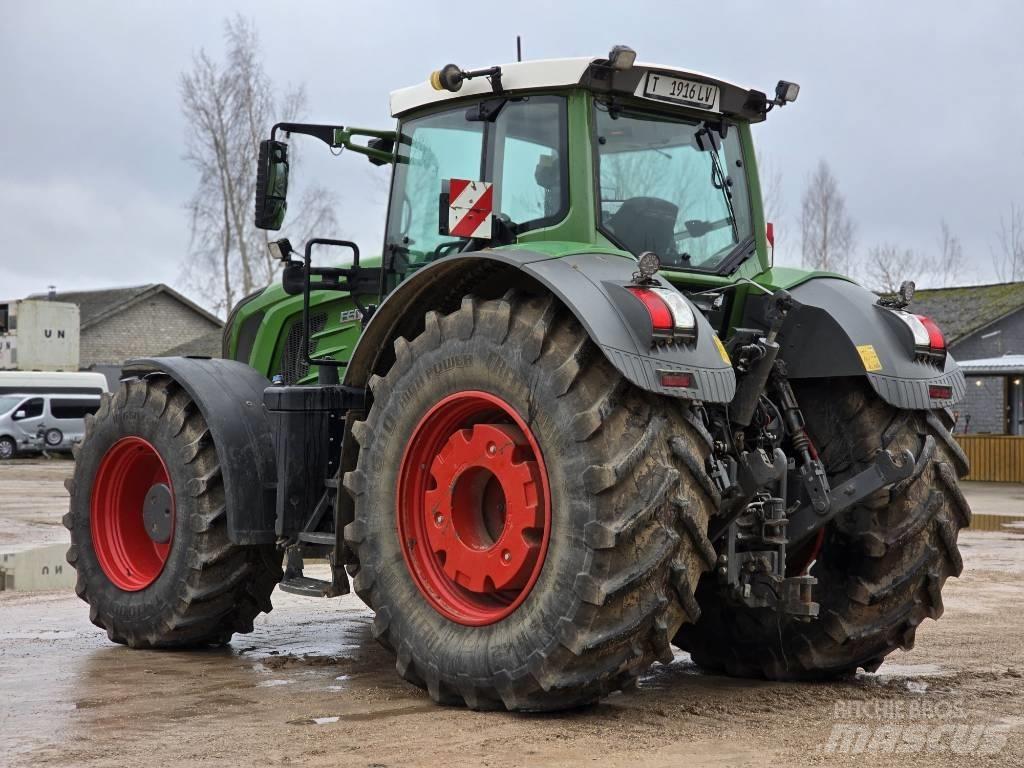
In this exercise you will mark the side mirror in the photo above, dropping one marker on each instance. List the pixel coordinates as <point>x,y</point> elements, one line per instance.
<point>19,415</point>
<point>293,278</point>
<point>271,184</point>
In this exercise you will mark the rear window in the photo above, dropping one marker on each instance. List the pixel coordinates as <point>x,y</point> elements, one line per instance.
<point>73,409</point>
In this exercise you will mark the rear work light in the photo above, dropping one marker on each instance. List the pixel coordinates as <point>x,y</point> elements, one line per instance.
<point>671,315</point>
<point>928,339</point>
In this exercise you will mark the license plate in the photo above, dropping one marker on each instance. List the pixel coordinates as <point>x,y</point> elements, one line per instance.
<point>689,93</point>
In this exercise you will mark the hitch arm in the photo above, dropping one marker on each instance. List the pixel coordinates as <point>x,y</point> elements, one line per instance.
<point>882,472</point>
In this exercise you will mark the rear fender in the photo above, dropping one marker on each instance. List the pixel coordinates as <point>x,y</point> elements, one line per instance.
<point>588,285</point>
<point>229,395</point>
<point>838,329</point>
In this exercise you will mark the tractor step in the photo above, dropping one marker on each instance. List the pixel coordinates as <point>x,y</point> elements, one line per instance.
<point>303,585</point>
<point>315,537</point>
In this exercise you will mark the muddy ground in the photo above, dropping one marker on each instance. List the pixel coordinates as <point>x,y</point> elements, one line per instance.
<point>310,687</point>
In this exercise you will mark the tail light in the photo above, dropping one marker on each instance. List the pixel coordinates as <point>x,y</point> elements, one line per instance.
<point>671,316</point>
<point>928,339</point>
<point>936,340</point>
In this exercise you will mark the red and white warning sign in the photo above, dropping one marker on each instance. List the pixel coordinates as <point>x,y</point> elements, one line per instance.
<point>470,205</point>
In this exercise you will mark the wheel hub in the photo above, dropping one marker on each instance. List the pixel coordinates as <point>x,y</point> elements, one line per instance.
<point>484,512</point>
<point>473,508</point>
<point>156,513</point>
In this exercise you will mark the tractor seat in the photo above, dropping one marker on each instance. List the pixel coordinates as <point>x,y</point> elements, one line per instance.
<point>646,224</point>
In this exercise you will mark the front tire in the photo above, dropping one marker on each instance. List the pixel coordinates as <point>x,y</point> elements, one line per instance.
<point>8,448</point>
<point>881,565</point>
<point>618,524</point>
<point>149,527</point>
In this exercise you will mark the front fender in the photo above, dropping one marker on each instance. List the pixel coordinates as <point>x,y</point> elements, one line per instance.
<point>838,329</point>
<point>588,284</point>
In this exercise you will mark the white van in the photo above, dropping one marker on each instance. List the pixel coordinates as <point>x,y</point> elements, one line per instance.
<point>69,383</point>
<point>43,422</point>
<point>46,411</point>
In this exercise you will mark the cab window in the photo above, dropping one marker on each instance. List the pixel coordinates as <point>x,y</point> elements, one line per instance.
<point>521,150</point>
<point>672,185</point>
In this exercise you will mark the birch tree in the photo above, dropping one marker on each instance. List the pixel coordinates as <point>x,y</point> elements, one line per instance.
<point>948,269</point>
<point>772,201</point>
<point>829,234</point>
<point>1008,257</point>
<point>888,266</point>
<point>229,107</point>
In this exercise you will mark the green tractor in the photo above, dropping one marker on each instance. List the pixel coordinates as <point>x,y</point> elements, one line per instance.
<point>571,417</point>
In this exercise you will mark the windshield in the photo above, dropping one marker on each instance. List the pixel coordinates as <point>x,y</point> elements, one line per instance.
<point>520,150</point>
<point>7,402</point>
<point>673,186</point>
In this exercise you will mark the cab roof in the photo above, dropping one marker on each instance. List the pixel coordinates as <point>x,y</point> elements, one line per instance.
<point>544,73</point>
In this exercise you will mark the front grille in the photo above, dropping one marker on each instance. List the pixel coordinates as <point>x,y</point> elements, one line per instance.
<point>293,366</point>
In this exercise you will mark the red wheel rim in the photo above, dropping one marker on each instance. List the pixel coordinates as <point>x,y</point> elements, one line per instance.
<point>130,472</point>
<point>474,508</point>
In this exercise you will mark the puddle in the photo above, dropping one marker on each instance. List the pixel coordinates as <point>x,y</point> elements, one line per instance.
<point>906,670</point>
<point>999,523</point>
<point>36,569</point>
<point>273,683</point>
<point>663,676</point>
<point>362,717</point>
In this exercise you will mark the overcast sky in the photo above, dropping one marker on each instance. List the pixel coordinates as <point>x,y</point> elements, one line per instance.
<point>916,105</point>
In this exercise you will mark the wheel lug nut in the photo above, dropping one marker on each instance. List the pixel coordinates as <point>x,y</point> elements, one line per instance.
<point>439,518</point>
<point>492,449</point>
<point>506,555</point>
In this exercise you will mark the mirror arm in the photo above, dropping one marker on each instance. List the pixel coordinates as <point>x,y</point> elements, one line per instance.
<point>344,136</point>
<point>326,133</point>
<point>338,136</point>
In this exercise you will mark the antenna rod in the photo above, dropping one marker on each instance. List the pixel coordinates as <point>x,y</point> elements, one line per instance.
<point>519,48</point>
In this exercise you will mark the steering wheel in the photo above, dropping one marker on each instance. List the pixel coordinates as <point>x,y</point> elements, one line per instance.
<point>694,228</point>
<point>443,249</point>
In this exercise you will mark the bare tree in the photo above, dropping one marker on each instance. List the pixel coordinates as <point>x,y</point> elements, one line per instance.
<point>771,189</point>
<point>772,201</point>
<point>951,256</point>
<point>1008,258</point>
<point>229,106</point>
<point>888,266</point>
<point>828,232</point>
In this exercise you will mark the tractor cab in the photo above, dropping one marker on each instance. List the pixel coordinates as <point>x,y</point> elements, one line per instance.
<point>587,153</point>
<point>654,164</point>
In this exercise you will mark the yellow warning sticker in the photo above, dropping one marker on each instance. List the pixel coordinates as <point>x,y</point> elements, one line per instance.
<point>721,349</point>
<point>869,357</point>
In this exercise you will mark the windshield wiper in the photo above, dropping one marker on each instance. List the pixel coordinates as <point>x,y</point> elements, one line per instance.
<point>716,169</point>
<point>718,172</point>
<point>737,256</point>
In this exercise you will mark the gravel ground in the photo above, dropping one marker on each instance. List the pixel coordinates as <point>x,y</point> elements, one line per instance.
<point>310,687</point>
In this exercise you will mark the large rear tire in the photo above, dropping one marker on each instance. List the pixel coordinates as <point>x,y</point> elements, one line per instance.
<point>881,565</point>
<point>614,525</point>
<point>149,530</point>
